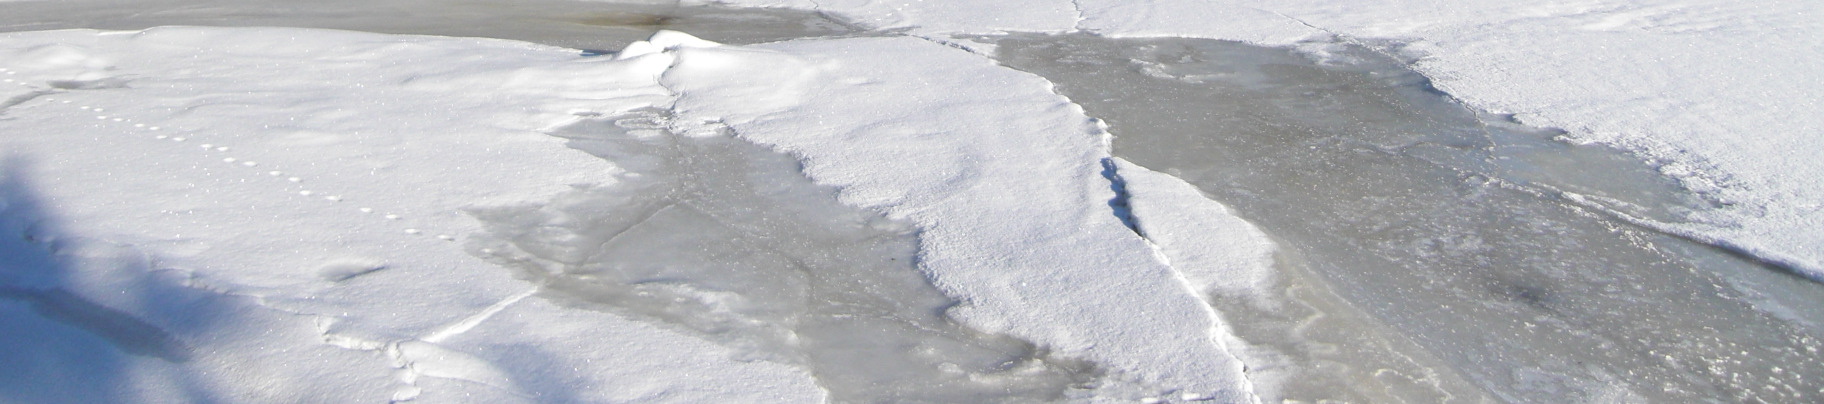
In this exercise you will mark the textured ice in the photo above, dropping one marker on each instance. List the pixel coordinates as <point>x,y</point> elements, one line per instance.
<point>1501,251</point>
<point>727,239</point>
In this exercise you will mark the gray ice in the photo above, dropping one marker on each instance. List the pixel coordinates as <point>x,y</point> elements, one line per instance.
<point>727,240</point>
<point>1428,245</point>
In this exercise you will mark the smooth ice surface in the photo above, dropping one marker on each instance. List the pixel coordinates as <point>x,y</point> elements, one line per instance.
<point>727,239</point>
<point>1493,246</point>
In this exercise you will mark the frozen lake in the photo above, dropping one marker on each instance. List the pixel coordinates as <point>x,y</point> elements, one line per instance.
<point>1429,252</point>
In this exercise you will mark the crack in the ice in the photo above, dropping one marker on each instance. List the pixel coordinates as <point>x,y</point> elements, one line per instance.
<point>951,44</point>
<point>1077,6</point>
<point>1119,203</point>
<point>1298,20</point>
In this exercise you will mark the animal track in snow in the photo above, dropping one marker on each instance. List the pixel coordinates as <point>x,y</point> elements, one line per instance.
<point>142,129</point>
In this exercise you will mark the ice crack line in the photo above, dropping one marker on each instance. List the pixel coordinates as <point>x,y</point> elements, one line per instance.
<point>1077,6</point>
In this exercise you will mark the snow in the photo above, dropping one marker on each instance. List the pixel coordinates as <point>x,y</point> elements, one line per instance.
<point>1217,252</point>
<point>384,141</point>
<point>276,214</point>
<point>327,271</point>
<point>1717,92</point>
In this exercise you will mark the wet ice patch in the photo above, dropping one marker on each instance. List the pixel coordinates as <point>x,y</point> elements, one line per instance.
<point>727,239</point>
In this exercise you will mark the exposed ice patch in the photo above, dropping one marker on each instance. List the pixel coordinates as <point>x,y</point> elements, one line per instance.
<point>727,239</point>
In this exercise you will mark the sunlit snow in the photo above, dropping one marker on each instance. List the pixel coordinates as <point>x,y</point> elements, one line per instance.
<point>886,201</point>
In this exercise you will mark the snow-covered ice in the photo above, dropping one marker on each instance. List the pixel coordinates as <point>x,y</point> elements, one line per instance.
<point>387,295</point>
<point>933,211</point>
<point>331,292</point>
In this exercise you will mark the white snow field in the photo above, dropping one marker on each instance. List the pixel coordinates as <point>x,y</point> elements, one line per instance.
<point>911,201</point>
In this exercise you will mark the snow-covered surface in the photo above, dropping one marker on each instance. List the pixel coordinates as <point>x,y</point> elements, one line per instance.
<point>1722,93</point>
<point>1217,252</point>
<point>279,200</point>
<point>316,181</point>
<point>278,214</point>
<point>1002,175</point>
